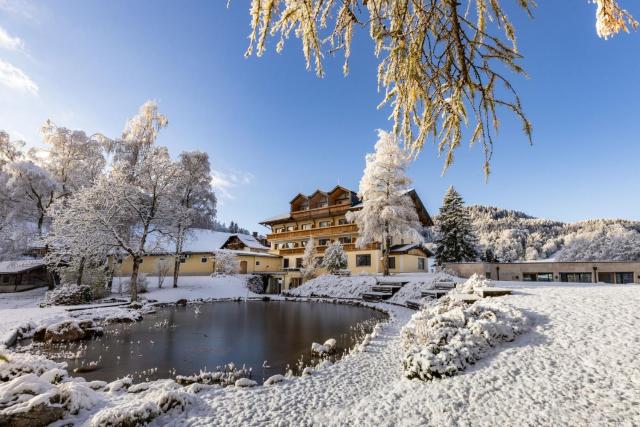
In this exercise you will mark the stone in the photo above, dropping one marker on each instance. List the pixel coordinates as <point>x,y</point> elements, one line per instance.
<point>64,332</point>
<point>181,302</point>
<point>36,416</point>
<point>39,333</point>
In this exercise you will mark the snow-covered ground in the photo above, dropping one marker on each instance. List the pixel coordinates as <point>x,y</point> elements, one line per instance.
<point>193,288</point>
<point>22,308</point>
<point>577,365</point>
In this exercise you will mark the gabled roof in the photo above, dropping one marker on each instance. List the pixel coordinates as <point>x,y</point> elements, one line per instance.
<point>403,249</point>
<point>340,187</point>
<point>20,266</point>
<point>204,241</point>
<point>248,240</point>
<point>297,197</point>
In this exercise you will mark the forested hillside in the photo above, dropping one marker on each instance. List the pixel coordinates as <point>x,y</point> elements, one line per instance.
<point>514,236</point>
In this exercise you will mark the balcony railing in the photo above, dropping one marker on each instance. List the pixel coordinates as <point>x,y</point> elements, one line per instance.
<point>320,231</point>
<point>349,247</point>
<point>319,212</point>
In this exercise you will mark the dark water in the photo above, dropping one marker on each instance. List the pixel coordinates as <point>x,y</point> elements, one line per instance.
<point>184,340</point>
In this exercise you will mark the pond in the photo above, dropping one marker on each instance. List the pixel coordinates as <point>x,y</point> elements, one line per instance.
<point>268,337</point>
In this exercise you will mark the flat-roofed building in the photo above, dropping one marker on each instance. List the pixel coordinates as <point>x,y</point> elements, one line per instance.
<point>614,272</point>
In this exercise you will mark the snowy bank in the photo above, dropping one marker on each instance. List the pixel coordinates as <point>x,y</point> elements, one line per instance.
<point>446,337</point>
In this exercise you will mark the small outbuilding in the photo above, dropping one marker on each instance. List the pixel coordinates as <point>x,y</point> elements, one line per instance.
<point>22,275</point>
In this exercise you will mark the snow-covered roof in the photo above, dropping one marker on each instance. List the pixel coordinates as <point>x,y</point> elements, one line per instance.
<point>251,242</point>
<point>408,247</point>
<point>277,218</point>
<point>19,266</point>
<point>201,240</point>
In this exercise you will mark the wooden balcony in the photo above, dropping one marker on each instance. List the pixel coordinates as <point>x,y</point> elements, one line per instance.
<point>321,212</point>
<point>313,232</point>
<point>349,247</point>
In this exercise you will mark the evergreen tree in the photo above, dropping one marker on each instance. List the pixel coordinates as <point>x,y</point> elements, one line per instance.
<point>334,258</point>
<point>456,241</point>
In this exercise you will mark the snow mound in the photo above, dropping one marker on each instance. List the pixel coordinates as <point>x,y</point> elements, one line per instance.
<point>142,408</point>
<point>25,363</point>
<point>474,283</point>
<point>413,290</point>
<point>331,286</point>
<point>444,339</point>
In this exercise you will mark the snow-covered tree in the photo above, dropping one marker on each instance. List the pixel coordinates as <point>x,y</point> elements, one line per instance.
<point>388,212</point>
<point>226,262</point>
<point>73,158</point>
<point>32,189</point>
<point>196,202</point>
<point>74,247</point>
<point>334,258</point>
<point>135,200</point>
<point>456,241</point>
<point>309,262</point>
<point>601,241</point>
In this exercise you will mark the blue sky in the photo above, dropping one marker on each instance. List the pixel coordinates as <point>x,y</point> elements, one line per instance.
<point>272,129</point>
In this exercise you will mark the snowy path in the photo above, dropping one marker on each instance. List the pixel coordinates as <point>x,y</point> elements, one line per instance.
<point>578,366</point>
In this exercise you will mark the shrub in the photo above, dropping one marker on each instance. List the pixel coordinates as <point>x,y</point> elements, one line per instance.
<point>256,284</point>
<point>69,294</point>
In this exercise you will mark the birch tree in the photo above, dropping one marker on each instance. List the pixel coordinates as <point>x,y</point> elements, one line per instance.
<point>196,202</point>
<point>387,213</point>
<point>442,63</point>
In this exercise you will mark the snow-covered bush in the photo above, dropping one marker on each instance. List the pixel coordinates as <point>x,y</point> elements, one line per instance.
<point>443,339</point>
<point>163,267</point>
<point>226,262</point>
<point>256,284</point>
<point>334,258</point>
<point>224,376</point>
<point>143,283</point>
<point>69,294</point>
<point>335,286</point>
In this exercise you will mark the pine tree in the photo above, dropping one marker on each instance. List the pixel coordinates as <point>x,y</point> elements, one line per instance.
<point>456,241</point>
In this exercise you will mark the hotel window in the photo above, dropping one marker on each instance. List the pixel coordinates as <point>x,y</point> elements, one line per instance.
<point>605,277</point>
<point>298,262</point>
<point>323,203</point>
<point>257,262</point>
<point>5,279</point>
<point>119,261</point>
<point>392,262</point>
<point>306,226</point>
<point>529,277</point>
<point>624,278</point>
<point>285,263</point>
<point>363,260</point>
<point>183,259</point>
<point>343,221</point>
<point>422,264</point>
<point>279,230</point>
<point>290,228</point>
<point>203,259</point>
<point>545,277</point>
<point>324,224</point>
<point>323,242</point>
<point>487,275</point>
<point>575,277</point>
<point>345,240</point>
<point>295,282</point>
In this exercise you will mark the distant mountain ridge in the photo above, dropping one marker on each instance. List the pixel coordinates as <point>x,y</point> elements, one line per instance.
<point>516,236</point>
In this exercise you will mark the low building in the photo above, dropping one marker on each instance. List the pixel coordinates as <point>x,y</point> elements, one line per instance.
<point>198,255</point>
<point>614,272</point>
<point>23,275</point>
<point>321,216</point>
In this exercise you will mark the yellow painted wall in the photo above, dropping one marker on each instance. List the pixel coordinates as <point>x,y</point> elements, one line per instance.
<point>193,265</point>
